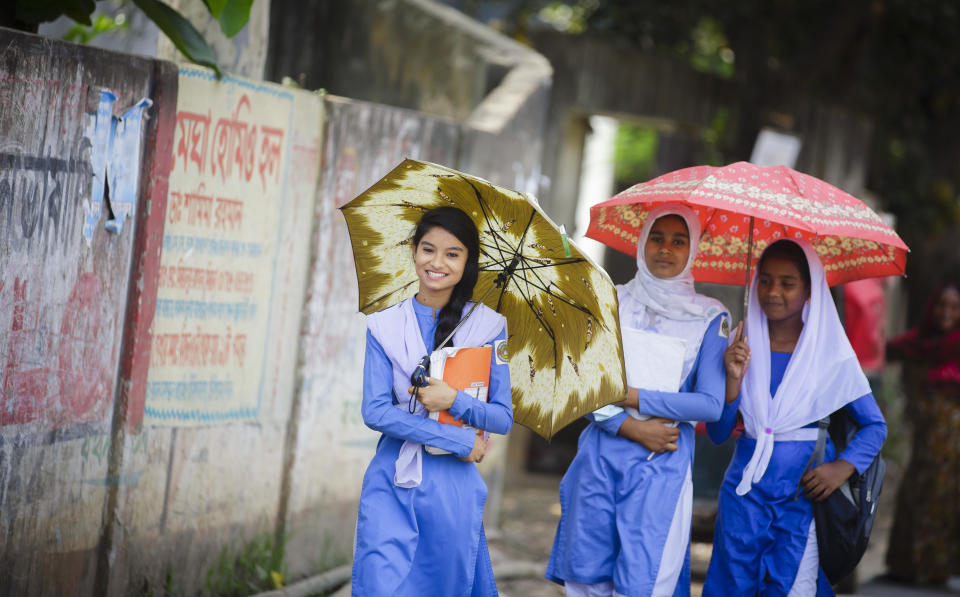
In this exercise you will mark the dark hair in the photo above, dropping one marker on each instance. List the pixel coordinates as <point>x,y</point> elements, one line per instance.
<point>928,325</point>
<point>791,251</point>
<point>459,224</point>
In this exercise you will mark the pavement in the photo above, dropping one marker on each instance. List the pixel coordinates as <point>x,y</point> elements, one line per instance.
<point>520,548</point>
<point>531,510</point>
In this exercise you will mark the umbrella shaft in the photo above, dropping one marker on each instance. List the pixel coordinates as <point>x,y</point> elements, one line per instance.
<point>746,288</point>
<point>500,283</point>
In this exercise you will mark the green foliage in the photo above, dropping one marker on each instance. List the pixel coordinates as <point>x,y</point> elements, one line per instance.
<point>84,34</point>
<point>181,32</point>
<point>233,16</point>
<point>330,554</point>
<point>215,6</point>
<point>171,588</point>
<point>247,571</point>
<point>568,16</point>
<point>895,62</point>
<point>716,139</point>
<point>708,49</point>
<point>634,154</point>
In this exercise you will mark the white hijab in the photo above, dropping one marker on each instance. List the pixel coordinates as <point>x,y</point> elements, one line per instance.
<point>669,306</point>
<point>823,374</point>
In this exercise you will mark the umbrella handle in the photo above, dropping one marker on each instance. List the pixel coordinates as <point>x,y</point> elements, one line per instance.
<point>746,287</point>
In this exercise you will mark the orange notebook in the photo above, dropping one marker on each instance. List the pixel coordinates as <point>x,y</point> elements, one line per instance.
<point>466,368</point>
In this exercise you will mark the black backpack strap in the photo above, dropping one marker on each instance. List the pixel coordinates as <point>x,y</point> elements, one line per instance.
<point>819,450</point>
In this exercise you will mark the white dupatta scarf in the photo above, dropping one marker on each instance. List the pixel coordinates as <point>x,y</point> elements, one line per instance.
<point>666,306</point>
<point>669,306</point>
<point>398,332</point>
<point>823,374</point>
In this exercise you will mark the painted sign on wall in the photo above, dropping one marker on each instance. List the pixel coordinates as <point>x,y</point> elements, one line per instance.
<point>227,191</point>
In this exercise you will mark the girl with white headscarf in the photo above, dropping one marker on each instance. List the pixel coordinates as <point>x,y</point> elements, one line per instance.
<point>627,497</point>
<point>796,367</point>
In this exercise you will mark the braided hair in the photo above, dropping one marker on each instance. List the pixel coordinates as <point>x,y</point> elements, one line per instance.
<point>459,224</point>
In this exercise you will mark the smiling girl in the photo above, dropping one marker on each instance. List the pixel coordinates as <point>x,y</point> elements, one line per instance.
<point>794,367</point>
<point>627,497</point>
<point>419,527</point>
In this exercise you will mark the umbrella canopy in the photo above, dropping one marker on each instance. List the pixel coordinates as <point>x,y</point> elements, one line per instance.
<point>743,203</point>
<point>561,309</point>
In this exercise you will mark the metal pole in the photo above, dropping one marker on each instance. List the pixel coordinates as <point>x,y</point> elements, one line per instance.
<point>746,289</point>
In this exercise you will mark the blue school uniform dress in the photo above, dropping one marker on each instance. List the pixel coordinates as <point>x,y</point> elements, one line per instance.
<point>625,518</point>
<point>760,536</point>
<point>764,539</point>
<point>617,506</point>
<point>426,538</point>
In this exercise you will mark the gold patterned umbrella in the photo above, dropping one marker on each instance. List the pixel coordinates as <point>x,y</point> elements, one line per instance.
<point>561,309</point>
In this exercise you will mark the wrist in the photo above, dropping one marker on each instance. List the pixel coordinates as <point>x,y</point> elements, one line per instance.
<point>848,469</point>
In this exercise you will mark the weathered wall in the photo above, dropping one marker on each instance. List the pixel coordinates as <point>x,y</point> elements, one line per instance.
<point>73,190</point>
<point>182,350</point>
<point>230,287</point>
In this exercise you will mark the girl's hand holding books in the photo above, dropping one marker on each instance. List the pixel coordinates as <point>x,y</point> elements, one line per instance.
<point>654,434</point>
<point>479,448</point>
<point>436,395</point>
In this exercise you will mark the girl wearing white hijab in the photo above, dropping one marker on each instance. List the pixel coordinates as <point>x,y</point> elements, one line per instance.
<point>627,497</point>
<point>796,367</point>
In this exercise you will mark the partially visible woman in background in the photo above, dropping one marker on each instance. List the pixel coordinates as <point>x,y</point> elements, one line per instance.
<point>925,540</point>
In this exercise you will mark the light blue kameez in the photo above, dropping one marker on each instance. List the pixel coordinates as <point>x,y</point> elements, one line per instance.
<point>617,505</point>
<point>426,540</point>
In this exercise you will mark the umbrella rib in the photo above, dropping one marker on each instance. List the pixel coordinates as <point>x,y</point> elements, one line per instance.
<point>386,294</point>
<point>542,287</point>
<point>539,317</point>
<point>486,218</point>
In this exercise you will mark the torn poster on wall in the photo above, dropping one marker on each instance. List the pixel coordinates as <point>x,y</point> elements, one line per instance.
<point>115,156</point>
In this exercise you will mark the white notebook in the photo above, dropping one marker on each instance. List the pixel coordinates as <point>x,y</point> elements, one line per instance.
<point>653,362</point>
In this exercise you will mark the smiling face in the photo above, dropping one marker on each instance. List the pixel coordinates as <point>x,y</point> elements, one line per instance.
<point>781,289</point>
<point>439,259</point>
<point>668,247</point>
<point>946,311</point>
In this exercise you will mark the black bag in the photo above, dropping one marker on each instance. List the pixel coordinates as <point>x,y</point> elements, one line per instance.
<point>844,520</point>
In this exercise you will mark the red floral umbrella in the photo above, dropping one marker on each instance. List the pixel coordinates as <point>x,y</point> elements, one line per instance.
<point>742,205</point>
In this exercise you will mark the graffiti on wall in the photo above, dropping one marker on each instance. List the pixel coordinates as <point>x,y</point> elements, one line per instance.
<point>61,299</point>
<point>216,283</point>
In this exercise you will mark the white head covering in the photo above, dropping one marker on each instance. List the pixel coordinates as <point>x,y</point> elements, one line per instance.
<point>823,374</point>
<point>669,306</point>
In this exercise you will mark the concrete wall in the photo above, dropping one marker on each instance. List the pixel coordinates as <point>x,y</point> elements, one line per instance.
<point>182,349</point>
<point>230,287</point>
<point>77,177</point>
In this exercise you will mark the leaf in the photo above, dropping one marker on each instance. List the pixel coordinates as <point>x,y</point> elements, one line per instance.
<point>39,11</point>
<point>215,6</point>
<point>181,32</point>
<point>235,16</point>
